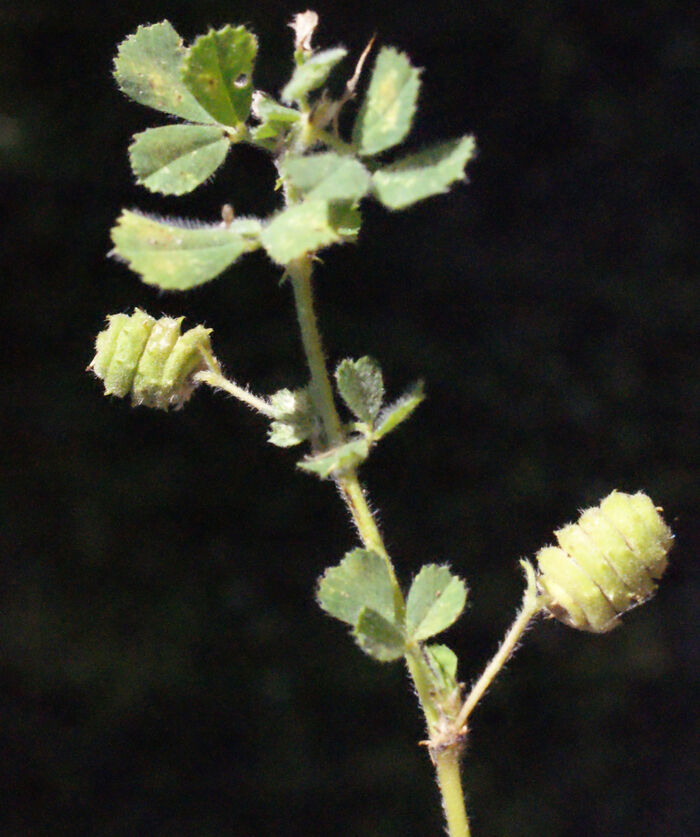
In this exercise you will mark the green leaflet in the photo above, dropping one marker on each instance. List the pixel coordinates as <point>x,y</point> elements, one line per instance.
<point>311,74</point>
<point>379,637</point>
<point>399,411</point>
<point>218,72</point>
<point>349,455</point>
<point>361,386</point>
<point>326,176</point>
<point>147,68</point>
<point>421,175</point>
<point>176,257</point>
<point>361,580</point>
<point>443,662</point>
<point>302,228</point>
<point>275,119</point>
<point>387,111</point>
<point>175,159</point>
<point>435,600</point>
<point>295,418</point>
<point>347,220</point>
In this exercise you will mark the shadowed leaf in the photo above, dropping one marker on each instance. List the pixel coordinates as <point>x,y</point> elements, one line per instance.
<point>349,455</point>
<point>360,580</point>
<point>361,386</point>
<point>218,73</point>
<point>379,637</point>
<point>435,600</point>
<point>175,159</point>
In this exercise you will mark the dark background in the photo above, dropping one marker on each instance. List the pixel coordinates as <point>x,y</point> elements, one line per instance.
<point>165,670</point>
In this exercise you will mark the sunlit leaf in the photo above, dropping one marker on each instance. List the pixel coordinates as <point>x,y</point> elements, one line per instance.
<point>302,228</point>
<point>311,74</point>
<point>147,68</point>
<point>399,411</point>
<point>295,418</point>
<point>177,257</point>
<point>327,176</point>
<point>387,110</point>
<point>421,175</point>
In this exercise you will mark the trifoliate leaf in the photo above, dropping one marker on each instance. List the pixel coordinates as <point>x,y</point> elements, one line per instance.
<point>311,74</point>
<point>302,228</point>
<point>421,175</point>
<point>295,418</point>
<point>443,662</point>
<point>361,580</point>
<point>349,455</point>
<point>361,386</point>
<point>327,176</point>
<point>435,600</point>
<point>175,159</point>
<point>387,111</point>
<point>399,411</point>
<point>218,72</point>
<point>176,257</point>
<point>378,637</point>
<point>147,68</point>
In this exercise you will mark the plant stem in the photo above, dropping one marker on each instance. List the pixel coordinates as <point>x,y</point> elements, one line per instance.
<point>446,759</point>
<point>450,784</point>
<point>218,381</point>
<point>299,272</point>
<point>531,605</point>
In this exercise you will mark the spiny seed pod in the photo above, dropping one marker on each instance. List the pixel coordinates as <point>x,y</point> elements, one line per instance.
<point>606,563</point>
<point>149,359</point>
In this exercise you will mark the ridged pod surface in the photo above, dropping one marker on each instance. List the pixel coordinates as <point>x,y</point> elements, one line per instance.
<point>606,563</point>
<point>149,359</point>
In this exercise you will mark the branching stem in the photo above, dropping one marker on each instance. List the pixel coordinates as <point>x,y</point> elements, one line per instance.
<point>531,605</point>
<point>447,760</point>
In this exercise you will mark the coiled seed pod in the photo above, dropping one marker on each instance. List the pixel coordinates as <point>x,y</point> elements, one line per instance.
<point>149,359</point>
<point>605,563</point>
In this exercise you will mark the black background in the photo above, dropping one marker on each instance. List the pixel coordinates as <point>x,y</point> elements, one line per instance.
<point>165,670</point>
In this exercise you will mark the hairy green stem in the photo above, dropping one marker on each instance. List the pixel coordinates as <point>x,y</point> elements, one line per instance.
<point>447,759</point>
<point>532,604</point>
<point>218,381</point>
<point>450,784</point>
<point>299,272</point>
